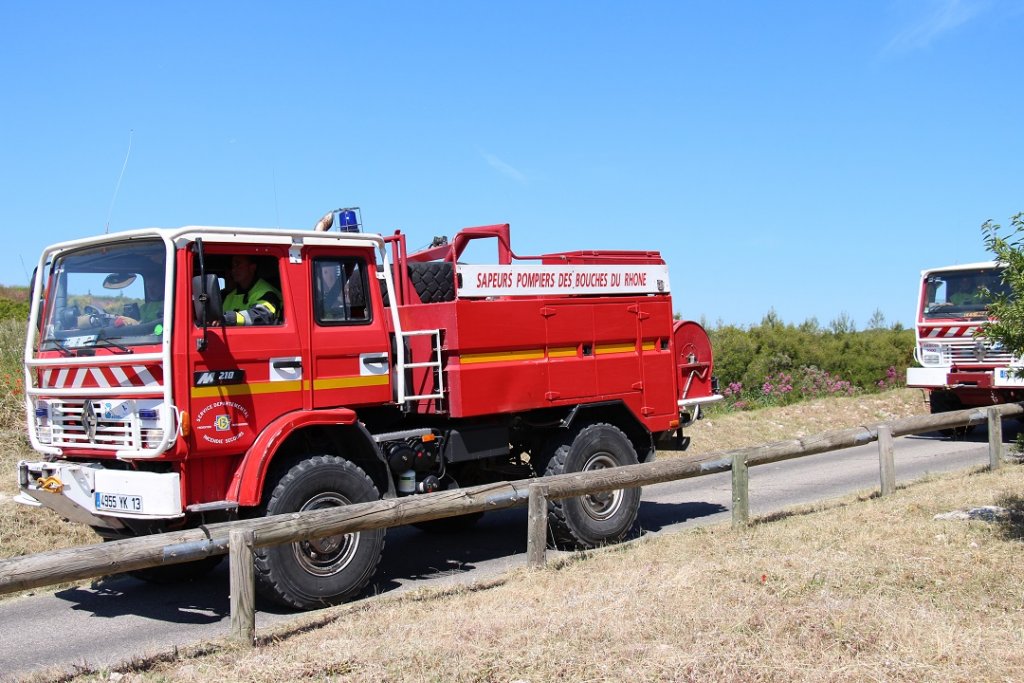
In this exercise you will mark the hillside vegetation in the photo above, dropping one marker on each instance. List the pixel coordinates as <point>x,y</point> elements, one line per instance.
<point>777,363</point>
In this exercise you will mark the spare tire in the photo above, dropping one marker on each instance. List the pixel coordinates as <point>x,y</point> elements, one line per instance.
<point>434,281</point>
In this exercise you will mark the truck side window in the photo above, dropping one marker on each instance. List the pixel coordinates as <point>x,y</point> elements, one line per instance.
<point>250,289</point>
<point>340,290</point>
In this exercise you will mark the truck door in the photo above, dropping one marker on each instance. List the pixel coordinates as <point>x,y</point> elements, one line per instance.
<point>350,348</point>
<point>246,375</point>
<point>657,364</point>
<point>572,366</point>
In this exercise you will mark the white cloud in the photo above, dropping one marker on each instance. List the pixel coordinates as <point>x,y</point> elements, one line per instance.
<point>504,168</point>
<point>943,17</point>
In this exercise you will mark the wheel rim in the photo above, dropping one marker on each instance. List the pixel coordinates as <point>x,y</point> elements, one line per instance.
<point>603,505</point>
<point>326,556</point>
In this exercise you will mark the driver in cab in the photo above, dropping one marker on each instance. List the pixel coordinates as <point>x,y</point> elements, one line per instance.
<point>253,300</point>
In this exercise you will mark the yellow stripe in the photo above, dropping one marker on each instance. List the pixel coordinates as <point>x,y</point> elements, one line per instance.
<point>499,356</point>
<point>557,352</point>
<point>256,388</point>
<point>251,389</point>
<point>615,348</point>
<point>349,382</point>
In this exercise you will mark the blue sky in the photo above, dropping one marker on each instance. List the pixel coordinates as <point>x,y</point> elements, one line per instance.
<point>810,157</point>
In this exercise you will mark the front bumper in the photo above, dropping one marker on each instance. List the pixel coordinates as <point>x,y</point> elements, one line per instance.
<point>85,492</point>
<point>946,378</point>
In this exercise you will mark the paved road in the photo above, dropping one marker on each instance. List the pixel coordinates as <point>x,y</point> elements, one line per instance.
<point>118,618</point>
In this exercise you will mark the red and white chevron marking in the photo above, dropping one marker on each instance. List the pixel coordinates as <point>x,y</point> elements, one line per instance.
<point>104,377</point>
<point>950,331</point>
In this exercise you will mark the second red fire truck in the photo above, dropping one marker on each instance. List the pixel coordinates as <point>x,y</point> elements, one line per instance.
<point>386,373</point>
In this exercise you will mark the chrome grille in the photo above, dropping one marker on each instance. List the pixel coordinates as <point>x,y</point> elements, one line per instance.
<point>83,424</point>
<point>966,352</point>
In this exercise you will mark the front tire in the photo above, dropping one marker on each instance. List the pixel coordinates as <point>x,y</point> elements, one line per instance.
<point>324,571</point>
<point>598,518</point>
<point>945,402</point>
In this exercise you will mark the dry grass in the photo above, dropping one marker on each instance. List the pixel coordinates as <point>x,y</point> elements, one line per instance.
<point>863,589</point>
<point>721,430</point>
<point>25,530</point>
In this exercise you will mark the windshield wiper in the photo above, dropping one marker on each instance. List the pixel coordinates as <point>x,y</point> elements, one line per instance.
<point>56,342</point>
<point>111,343</point>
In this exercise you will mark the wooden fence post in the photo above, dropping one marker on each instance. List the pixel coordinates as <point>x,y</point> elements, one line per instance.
<point>740,490</point>
<point>995,438</point>
<point>537,529</point>
<point>886,465</point>
<point>243,586</point>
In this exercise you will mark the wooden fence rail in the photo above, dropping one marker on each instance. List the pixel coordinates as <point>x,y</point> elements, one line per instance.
<point>242,536</point>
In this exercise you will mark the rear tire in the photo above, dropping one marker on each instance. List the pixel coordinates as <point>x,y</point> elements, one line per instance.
<point>598,518</point>
<point>325,571</point>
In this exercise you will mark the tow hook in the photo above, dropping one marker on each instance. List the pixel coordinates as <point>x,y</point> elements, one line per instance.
<point>51,484</point>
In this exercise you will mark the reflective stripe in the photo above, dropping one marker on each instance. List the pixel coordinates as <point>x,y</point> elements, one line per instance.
<point>350,382</point>
<point>554,352</point>
<point>500,356</point>
<point>103,377</point>
<point>251,389</point>
<point>614,348</point>
<point>258,388</point>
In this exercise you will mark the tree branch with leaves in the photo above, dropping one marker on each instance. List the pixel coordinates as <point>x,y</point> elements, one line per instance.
<point>1006,310</point>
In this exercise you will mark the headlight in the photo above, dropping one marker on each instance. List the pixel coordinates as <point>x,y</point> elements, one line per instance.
<point>42,422</point>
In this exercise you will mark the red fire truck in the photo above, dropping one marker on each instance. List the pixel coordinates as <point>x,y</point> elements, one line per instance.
<point>959,367</point>
<point>386,373</point>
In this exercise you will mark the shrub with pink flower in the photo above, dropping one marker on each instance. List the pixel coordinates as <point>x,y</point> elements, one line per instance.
<point>784,388</point>
<point>890,381</point>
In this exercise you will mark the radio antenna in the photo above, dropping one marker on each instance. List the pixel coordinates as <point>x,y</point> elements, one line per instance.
<point>117,187</point>
<point>273,178</point>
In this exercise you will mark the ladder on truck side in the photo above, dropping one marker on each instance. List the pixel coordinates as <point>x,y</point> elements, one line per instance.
<point>404,364</point>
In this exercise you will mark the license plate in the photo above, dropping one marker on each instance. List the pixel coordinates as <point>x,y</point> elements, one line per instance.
<point>118,502</point>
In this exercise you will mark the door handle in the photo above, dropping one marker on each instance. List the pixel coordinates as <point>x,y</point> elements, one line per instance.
<point>373,363</point>
<point>287,364</point>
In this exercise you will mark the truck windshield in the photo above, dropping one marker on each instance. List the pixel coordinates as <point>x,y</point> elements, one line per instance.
<point>111,296</point>
<point>962,293</point>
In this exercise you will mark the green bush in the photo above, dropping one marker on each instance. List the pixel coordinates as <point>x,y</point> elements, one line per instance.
<point>14,310</point>
<point>12,383</point>
<point>777,363</point>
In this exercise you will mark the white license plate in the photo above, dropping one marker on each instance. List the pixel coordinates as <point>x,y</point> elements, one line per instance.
<point>118,502</point>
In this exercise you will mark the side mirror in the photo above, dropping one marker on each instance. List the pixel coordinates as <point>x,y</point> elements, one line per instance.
<point>206,301</point>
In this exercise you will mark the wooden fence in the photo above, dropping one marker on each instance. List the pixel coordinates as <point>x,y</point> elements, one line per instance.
<point>240,538</point>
